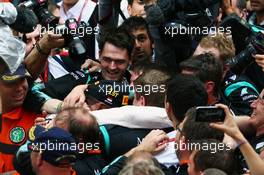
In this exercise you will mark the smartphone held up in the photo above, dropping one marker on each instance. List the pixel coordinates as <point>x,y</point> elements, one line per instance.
<point>209,114</point>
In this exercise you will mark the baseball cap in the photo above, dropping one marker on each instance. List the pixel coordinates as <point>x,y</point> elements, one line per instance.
<point>110,92</point>
<point>20,72</point>
<point>56,145</point>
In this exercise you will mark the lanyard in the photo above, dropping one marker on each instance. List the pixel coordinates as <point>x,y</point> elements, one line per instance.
<point>80,16</point>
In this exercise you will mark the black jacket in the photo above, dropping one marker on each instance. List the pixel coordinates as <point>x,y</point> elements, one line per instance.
<point>61,87</point>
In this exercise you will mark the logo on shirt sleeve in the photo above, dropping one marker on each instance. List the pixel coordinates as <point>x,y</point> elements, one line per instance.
<point>17,134</point>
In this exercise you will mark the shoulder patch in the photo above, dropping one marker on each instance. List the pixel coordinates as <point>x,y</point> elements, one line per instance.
<point>31,134</point>
<point>17,134</point>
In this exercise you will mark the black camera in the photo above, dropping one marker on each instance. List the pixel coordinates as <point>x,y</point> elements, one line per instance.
<point>209,114</point>
<point>40,8</point>
<point>248,40</point>
<point>186,28</point>
<point>179,24</point>
<point>74,34</point>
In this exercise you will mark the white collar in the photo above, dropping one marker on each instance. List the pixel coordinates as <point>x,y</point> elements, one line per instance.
<point>73,12</point>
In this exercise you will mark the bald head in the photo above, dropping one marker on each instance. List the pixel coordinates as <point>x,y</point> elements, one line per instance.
<point>80,123</point>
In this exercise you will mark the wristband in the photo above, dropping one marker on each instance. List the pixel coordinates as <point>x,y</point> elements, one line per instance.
<point>241,143</point>
<point>40,50</point>
<point>59,107</point>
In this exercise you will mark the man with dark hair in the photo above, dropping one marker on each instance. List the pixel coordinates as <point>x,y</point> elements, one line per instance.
<point>221,158</point>
<point>138,27</point>
<point>115,46</point>
<point>191,132</point>
<point>237,89</point>
<point>192,135</point>
<point>136,8</point>
<point>183,92</point>
<point>238,93</point>
<point>143,48</point>
<point>113,42</point>
<point>209,70</point>
<point>205,131</point>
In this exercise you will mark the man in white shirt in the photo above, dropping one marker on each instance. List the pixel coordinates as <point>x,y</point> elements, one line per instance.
<point>81,10</point>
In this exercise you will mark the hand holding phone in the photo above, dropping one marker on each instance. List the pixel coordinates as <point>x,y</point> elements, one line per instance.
<point>209,114</point>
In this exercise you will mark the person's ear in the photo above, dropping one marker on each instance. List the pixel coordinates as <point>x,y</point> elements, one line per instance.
<point>142,100</point>
<point>226,68</point>
<point>183,139</point>
<point>167,107</point>
<point>210,86</point>
<point>153,45</point>
<point>129,10</point>
<point>170,114</point>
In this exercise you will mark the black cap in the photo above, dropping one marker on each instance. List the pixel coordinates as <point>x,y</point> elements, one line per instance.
<point>110,92</point>
<point>56,145</point>
<point>21,72</point>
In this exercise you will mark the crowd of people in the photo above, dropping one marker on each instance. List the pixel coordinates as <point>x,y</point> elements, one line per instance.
<point>131,105</point>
